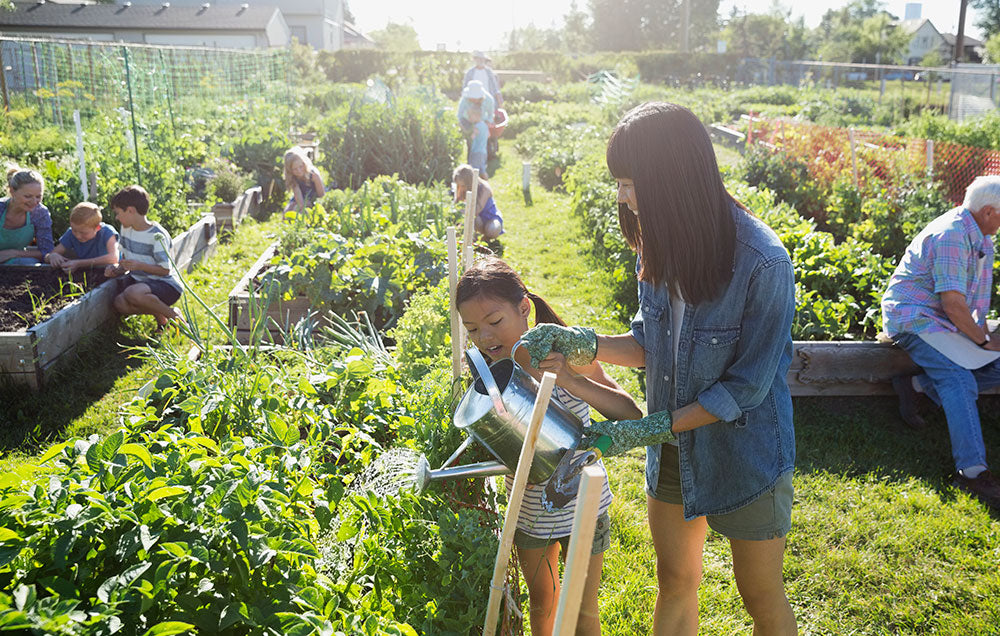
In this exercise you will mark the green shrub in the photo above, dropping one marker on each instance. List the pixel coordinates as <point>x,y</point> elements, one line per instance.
<point>416,139</point>
<point>787,177</point>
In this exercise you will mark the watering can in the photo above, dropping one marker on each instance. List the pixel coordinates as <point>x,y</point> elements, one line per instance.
<point>495,411</point>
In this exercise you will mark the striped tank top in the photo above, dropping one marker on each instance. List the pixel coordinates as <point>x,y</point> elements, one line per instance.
<point>533,519</point>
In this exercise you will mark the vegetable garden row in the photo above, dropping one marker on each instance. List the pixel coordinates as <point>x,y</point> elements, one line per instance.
<point>238,496</point>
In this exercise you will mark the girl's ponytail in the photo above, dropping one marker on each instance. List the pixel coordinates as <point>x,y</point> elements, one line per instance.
<point>543,312</point>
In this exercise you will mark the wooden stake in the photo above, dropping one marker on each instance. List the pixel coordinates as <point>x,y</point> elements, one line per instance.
<point>854,155</point>
<point>456,328</point>
<point>470,219</point>
<point>3,80</point>
<point>930,156</point>
<point>581,539</point>
<point>514,502</point>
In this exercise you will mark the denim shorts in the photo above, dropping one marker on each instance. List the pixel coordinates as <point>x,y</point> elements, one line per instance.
<point>767,517</point>
<point>167,293</point>
<point>602,538</point>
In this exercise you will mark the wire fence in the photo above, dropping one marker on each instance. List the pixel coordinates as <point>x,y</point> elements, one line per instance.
<point>963,92</point>
<point>831,152</point>
<point>60,76</point>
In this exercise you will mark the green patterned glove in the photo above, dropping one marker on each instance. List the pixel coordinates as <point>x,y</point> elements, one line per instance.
<point>578,344</point>
<point>628,434</point>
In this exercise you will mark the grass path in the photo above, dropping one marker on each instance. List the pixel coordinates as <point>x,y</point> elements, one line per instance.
<point>880,542</point>
<point>86,395</point>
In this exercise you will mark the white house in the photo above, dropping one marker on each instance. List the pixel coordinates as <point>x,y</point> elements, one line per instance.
<point>318,23</point>
<point>214,25</point>
<point>924,39</point>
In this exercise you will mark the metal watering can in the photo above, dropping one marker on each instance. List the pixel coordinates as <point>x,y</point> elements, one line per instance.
<point>496,411</point>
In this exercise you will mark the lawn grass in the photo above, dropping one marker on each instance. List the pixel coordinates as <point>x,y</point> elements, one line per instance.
<point>86,394</point>
<point>881,543</point>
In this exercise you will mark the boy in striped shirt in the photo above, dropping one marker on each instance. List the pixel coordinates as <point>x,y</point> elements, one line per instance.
<point>150,284</point>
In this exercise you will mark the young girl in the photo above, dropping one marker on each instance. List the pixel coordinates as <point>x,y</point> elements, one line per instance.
<point>489,223</point>
<point>302,179</point>
<point>494,305</point>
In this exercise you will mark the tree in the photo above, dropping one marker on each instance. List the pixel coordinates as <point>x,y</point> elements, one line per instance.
<point>989,15</point>
<point>630,25</point>
<point>577,35</point>
<point>767,35</point>
<point>396,37</point>
<point>860,32</point>
<point>993,48</point>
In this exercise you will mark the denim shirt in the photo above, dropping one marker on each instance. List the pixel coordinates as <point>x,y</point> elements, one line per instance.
<point>733,356</point>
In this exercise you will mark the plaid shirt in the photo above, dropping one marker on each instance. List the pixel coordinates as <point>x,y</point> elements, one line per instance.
<point>950,254</point>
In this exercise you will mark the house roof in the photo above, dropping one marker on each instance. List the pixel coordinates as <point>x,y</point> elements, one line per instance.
<point>119,16</point>
<point>967,40</point>
<point>912,26</point>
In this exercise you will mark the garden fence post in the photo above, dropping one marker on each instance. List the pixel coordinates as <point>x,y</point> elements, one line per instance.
<point>881,91</point>
<point>457,346</point>
<point>854,155</point>
<point>581,539</point>
<point>131,107</point>
<point>3,80</point>
<point>930,157</point>
<point>79,151</point>
<point>514,502</point>
<point>526,182</point>
<point>470,220</point>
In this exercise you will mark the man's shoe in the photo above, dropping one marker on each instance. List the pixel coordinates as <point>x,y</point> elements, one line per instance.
<point>985,487</point>
<point>908,397</point>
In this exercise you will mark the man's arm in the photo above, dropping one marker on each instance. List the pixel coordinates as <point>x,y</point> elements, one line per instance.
<point>958,312</point>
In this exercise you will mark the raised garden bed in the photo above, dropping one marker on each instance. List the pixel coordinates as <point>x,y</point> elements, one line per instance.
<point>229,215</point>
<point>28,352</point>
<point>246,306</point>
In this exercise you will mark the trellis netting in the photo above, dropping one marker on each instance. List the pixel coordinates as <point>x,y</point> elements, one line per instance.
<point>60,76</point>
<point>830,152</point>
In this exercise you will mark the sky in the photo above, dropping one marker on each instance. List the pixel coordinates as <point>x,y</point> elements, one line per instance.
<point>459,26</point>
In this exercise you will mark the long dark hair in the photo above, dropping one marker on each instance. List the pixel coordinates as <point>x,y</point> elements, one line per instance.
<point>494,278</point>
<point>684,233</point>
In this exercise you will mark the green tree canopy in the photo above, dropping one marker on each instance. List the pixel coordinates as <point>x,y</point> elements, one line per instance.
<point>989,15</point>
<point>396,37</point>
<point>635,25</point>
<point>861,32</point>
<point>767,35</point>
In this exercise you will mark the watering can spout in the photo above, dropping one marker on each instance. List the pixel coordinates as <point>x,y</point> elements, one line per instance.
<point>424,475</point>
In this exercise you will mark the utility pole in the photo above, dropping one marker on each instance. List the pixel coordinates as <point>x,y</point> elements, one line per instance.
<point>960,37</point>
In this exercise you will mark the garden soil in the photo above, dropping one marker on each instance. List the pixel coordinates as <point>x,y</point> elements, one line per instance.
<point>50,291</point>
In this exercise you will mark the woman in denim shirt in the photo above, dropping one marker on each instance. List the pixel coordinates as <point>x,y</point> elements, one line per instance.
<point>717,297</point>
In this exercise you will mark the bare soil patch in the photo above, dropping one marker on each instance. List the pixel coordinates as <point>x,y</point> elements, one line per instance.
<point>29,295</point>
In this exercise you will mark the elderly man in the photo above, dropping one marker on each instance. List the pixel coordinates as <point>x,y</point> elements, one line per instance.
<point>935,308</point>
<point>485,75</point>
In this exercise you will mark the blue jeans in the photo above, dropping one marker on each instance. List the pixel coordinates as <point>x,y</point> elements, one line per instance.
<point>955,389</point>
<point>477,147</point>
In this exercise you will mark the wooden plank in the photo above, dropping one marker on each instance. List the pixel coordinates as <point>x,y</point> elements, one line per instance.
<point>60,333</point>
<point>844,368</point>
<point>197,243</point>
<point>18,359</point>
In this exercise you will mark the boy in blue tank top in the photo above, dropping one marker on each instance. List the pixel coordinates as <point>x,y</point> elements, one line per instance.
<point>89,241</point>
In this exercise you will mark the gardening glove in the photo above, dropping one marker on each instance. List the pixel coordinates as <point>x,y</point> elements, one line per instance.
<point>628,434</point>
<point>578,344</point>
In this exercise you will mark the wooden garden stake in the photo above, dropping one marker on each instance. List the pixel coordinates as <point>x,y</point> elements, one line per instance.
<point>470,219</point>
<point>526,182</point>
<point>581,539</point>
<point>854,155</point>
<point>84,191</point>
<point>514,502</point>
<point>456,328</point>
<point>930,156</point>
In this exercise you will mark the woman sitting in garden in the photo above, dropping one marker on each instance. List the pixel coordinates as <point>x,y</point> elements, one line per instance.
<point>302,179</point>
<point>489,223</point>
<point>24,219</point>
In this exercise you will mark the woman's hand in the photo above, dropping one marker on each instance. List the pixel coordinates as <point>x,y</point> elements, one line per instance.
<point>578,344</point>
<point>655,428</point>
<point>6,255</point>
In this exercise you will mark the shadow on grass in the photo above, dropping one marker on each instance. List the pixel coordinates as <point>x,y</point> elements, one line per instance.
<point>856,436</point>
<point>29,419</point>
